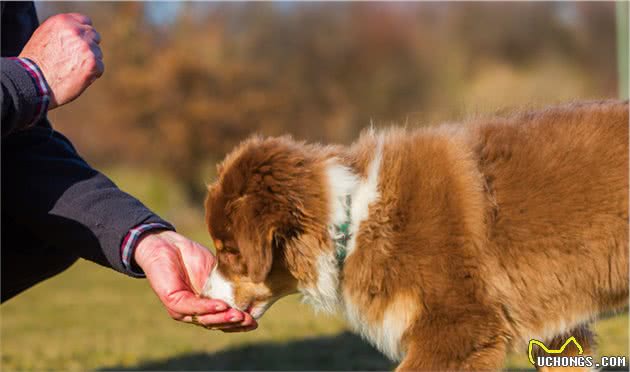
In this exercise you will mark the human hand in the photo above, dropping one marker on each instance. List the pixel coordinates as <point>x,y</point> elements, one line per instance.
<point>65,48</point>
<point>177,269</point>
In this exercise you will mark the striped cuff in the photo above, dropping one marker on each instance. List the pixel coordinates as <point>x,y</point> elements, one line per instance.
<point>40,83</point>
<point>131,239</point>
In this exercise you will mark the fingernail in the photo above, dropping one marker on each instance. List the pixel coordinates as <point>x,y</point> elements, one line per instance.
<point>235,318</point>
<point>220,307</point>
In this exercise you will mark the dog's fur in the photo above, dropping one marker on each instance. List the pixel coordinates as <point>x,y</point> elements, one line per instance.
<point>466,239</point>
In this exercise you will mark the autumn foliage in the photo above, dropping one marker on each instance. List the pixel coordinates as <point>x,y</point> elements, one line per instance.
<point>180,93</point>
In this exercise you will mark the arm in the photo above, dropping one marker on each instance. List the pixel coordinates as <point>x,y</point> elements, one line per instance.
<point>21,95</point>
<point>52,192</point>
<point>58,196</point>
<point>25,94</point>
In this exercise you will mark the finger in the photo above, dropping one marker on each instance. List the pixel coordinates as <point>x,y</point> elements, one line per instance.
<point>97,37</point>
<point>100,68</point>
<point>91,35</point>
<point>98,53</point>
<point>248,321</point>
<point>187,303</point>
<point>209,321</point>
<point>232,317</point>
<point>81,18</point>
<point>198,261</point>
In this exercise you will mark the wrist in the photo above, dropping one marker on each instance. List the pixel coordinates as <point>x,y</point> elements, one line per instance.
<point>136,244</point>
<point>44,78</point>
<point>41,94</point>
<point>40,76</point>
<point>143,249</point>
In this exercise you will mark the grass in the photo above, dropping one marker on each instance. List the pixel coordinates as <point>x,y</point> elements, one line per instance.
<point>91,318</point>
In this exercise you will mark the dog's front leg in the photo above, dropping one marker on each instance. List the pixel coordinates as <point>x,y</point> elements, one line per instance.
<point>444,344</point>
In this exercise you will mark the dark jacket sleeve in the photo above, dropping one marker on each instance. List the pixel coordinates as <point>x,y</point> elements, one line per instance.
<point>50,190</point>
<point>20,98</point>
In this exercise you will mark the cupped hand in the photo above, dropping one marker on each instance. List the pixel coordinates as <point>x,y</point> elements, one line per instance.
<point>177,269</point>
<point>66,49</point>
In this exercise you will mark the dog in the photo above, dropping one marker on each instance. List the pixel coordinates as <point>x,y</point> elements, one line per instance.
<point>443,246</point>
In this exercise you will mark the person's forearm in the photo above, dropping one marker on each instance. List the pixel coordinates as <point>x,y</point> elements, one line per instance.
<point>25,94</point>
<point>59,197</point>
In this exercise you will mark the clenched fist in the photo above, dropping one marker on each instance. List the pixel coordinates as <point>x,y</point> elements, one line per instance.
<point>66,49</point>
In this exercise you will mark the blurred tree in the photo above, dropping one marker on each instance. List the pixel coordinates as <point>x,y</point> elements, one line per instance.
<point>180,94</point>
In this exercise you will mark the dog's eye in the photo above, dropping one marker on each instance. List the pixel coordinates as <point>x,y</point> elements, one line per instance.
<point>229,249</point>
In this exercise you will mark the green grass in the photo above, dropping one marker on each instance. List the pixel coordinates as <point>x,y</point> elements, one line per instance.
<point>90,317</point>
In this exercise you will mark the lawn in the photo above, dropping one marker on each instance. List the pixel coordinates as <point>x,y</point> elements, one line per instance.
<point>92,318</point>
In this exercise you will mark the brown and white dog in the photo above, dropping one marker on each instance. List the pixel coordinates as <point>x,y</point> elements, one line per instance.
<point>445,246</point>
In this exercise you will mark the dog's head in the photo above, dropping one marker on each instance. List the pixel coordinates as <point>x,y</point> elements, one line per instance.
<point>266,214</point>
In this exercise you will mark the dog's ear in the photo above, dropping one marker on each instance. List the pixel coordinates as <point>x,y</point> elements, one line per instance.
<point>255,241</point>
<point>211,192</point>
<point>257,252</point>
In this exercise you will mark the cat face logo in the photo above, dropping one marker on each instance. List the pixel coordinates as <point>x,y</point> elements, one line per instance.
<point>533,342</point>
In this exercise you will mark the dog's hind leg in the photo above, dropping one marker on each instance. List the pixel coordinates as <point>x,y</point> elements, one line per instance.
<point>583,336</point>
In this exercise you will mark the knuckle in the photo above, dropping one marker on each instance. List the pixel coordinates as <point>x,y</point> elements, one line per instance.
<point>174,300</point>
<point>73,32</point>
<point>59,18</point>
<point>78,17</point>
<point>85,48</point>
<point>56,22</point>
<point>90,66</point>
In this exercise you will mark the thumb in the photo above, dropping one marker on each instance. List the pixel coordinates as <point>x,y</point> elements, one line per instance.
<point>198,262</point>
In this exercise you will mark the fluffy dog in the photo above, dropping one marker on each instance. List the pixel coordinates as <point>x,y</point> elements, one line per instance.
<point>442,246</point>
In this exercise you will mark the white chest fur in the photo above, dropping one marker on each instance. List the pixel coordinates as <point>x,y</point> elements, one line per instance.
<point>386,332</point>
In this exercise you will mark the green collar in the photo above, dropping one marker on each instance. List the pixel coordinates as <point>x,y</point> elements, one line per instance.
<point>342,234</point>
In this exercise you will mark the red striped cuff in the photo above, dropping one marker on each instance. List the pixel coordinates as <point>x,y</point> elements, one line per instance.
<point>131,239</point>
<point>40,83</point>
